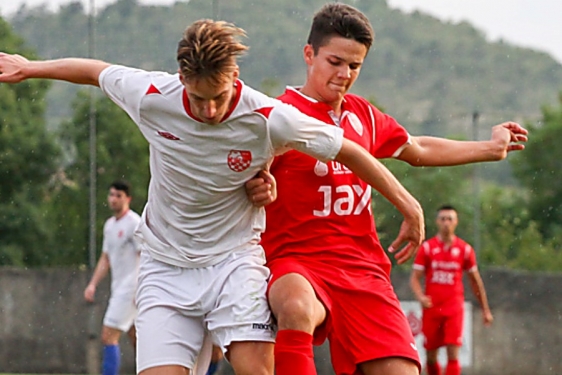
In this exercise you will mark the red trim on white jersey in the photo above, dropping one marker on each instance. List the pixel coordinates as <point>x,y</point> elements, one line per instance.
<point>264,111</point>
<point>187,107</point>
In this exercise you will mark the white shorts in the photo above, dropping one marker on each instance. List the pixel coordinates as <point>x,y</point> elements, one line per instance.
<point>178,307</point>
<point>121,312</point>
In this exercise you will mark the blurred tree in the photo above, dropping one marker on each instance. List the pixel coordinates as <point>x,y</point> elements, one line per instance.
<point>432,187</point>
<point>122,153</point>
<point>538,169</point>
<point>511,237</point>
<point>28,159</point>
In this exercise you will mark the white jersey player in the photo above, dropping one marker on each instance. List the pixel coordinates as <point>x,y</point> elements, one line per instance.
<point>120,254</point>
<point>202,272</point>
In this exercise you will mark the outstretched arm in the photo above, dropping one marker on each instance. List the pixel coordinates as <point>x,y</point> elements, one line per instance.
<point>434,151</point>
<point>479,291</point>
<point>370,170</point>
<point>16,68</point>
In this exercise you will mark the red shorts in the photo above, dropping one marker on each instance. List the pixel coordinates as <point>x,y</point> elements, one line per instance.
<point>364,319</point>
<point>441,330</point>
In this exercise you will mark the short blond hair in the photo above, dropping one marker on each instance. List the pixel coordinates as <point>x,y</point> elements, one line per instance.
<point>209,50</point>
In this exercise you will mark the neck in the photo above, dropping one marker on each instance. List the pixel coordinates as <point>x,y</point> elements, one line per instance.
<point>336,105</point>
<point>447,238</point>
<point>120,214</point>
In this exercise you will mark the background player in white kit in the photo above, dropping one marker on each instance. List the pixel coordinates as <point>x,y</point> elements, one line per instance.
<point>202,270</point>
<point>120,254</point>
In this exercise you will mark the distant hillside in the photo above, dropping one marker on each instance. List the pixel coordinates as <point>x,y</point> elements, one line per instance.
<point>430,75</point>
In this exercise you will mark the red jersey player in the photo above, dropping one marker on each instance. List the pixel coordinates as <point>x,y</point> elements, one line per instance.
<point>442,260</point>
<point>330,275</point>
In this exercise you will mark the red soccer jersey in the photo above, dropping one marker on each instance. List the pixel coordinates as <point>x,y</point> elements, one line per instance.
<point>444,266</point>
<point>324,210</point>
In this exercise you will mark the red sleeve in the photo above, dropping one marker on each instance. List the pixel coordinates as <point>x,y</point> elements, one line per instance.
<point>470,258</point>
<point>390,137</point>
<point>421,255</point>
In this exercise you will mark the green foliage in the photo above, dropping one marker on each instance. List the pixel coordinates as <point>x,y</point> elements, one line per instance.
<point>511,238</point>
<point>122,153</point>
<point>538,169</point>
<point>28,158</point>
<point>429,74</point>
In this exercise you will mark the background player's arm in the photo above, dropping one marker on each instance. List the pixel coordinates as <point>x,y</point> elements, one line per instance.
<point>16,68</point>
<point>415,284</point>
<point>370,170</point>
<point>101,271</point>
<point>479,291</point>
<point>434,151</point>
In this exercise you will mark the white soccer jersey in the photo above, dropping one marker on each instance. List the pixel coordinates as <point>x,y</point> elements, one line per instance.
<point>120,246</point>
<point>197,210</point>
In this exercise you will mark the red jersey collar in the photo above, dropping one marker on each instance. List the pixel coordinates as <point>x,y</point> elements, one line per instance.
<point>311,102</point>
<point>238,94</point>
<point>445,246</point>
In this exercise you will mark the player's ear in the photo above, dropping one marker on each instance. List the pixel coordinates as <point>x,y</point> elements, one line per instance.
<point>236,72</point>
<point>308,54</point>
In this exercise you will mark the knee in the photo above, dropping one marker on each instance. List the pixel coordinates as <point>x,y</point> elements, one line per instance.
<point>110,337</point>
<point>296,313</point>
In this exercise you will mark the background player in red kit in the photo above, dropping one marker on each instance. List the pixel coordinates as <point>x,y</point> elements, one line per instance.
<point>330,275</point>
<point>442,260</point>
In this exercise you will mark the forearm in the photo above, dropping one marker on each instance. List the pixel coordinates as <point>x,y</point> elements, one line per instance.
<point>74,70</point>
<point>101,270</point>
<point>378,176</point>
<point>479,292</point>
<point>416,287</point>
<point>433,152</point>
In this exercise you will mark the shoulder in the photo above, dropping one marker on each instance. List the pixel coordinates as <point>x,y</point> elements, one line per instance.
<point>253,100</point>
<point>119,75</point>
<point>109,223</point>
<point>133,217</point>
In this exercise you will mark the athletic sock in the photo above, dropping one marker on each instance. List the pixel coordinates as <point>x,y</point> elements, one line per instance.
<point>453,367</point>
<point>111,360</point>
<point>293,353</point>
<point>213,367</point>
<point>433,368</point>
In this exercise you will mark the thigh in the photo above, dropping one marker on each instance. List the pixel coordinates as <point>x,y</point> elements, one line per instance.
<point>433,326</point>
<point>241,311</point>
<point>170,327</point>
<point>121,312</point>
<point>453,329</point>
<point>369,325</point>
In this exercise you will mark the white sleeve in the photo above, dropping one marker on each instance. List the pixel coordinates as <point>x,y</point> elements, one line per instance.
<point>125,87</point>
<point>290,128</point>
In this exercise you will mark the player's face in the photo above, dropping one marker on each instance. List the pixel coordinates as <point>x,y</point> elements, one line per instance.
<point>332,71</point>
<point>210,101</point>
<point>447,221</point>
<point>117,200</point>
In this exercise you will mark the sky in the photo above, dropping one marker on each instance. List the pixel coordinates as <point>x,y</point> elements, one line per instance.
<point>535,24</point>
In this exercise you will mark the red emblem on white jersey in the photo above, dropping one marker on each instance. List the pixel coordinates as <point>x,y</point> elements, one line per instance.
<point>239,160</point>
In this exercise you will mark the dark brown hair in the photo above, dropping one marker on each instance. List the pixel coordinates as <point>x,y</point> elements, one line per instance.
<point>337,19</point>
